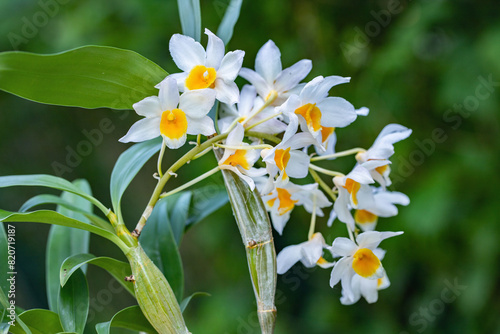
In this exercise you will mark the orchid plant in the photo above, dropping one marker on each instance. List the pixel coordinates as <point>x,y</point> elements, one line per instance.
<point>272,140</point>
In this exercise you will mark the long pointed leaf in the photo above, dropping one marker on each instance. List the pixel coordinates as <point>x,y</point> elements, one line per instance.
<point>190,15</point>
<point>64,241</point>
<point>205,201</point>
<point>38,321</point>
<point>118,269</point>
<point>73,305</point>
<point>51,217</point>
<point>45,199</point>
<point>129,318</point>
<point>126,168</point>
<point>226,27</point>
<point>159,244</point>
<point>49,181</point>
<point>87,77</point>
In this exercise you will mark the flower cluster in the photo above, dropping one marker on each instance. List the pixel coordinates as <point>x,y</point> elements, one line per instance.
<point>271,133</point>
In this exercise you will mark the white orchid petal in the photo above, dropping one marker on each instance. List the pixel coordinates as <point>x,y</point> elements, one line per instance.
<point>226,91</point>
<point>149,107</point>
<point>197,103</point>
<point>142,130</point>
<point>268,61</point>
<point>204,126</point>
<point>336,112</point>
<point>256,80</point>
<point>372,239</point>
<point>169,94</point>
<point>215,50</point>
<point>288,257</point>
<point>186,52</point>
<point>291,76</point>
<point>231,65</point>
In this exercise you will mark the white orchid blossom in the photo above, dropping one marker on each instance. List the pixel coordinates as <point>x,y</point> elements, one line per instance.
<point>357,259</point>
<point>319,114</point>
<point>249,105</point>
<point>383,149</point>
<point>171,116</point>
<point>366,288</point>
<point>211,69</point>
<point>287,158</point>
<point>354,191</point>
<point>382,206</point>
<point>241,161</point>
<point>270,80</point>
<point>310,253</point>
<point>285,196</point>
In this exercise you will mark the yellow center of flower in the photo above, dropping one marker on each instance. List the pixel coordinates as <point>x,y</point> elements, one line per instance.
<point>365,263</point>
<point>270,203</point>
<point>364,217</point>
<point>353,188</point>
<point>326,133</point>
<point>281,158</point>
<point>381,170</point>
<point>238,158</point>
<point>322,262</point>
<point>201,77</point>
<point>311,114</point>
<point>173,123</point>
<point>286,202</point>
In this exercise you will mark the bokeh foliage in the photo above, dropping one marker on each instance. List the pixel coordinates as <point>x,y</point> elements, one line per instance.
<point>418,70</point>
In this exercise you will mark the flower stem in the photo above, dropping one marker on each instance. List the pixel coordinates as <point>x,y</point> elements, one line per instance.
<point>339,154</point>
<point>322,184</point>
<point>244,147</point>
<point>272,96</point>
<point>325,171</point>
<point>312,227</point>
<point>263,120</point>
<point>160,157</point>
<point>192,182</point>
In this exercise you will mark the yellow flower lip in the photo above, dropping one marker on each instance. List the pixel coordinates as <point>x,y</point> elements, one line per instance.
<point>201,77</point>
<point>281,158</point>
<point>353,188</point>
<point>238,158</point>
<point>286,202</point>
<point>173,124</point>
<point>366,264</point>
<point>312,115</point>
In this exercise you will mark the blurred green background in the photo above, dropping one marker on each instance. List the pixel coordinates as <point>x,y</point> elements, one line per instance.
<point>433,66</point>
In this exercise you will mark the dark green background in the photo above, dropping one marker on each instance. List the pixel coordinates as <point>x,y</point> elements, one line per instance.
<point>418,67</point>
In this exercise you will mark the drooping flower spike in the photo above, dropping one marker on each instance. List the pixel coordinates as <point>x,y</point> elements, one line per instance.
<point>211,69</point>
<point>171,116</point>
<point>310,253</point>
<point>270,80</point>
<point>357,259</point>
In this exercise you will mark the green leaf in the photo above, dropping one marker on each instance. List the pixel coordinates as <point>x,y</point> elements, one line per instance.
<point>159,244</point>
<point>52,199</point>
<point>86,77</point>
<point>178,213</point>
<point>186,301</point>
<point>64,241</point>
<point>118,269</point>
<point>205,201</point>
<point>51,217</point>
<point>38,321</point>
<point>226,27</point>
<point>50,182</point>
<point>190,15</point>
<point>73,306</point>
<point>4,269</point>
<point>130,318</point>
<point>126,168</point>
